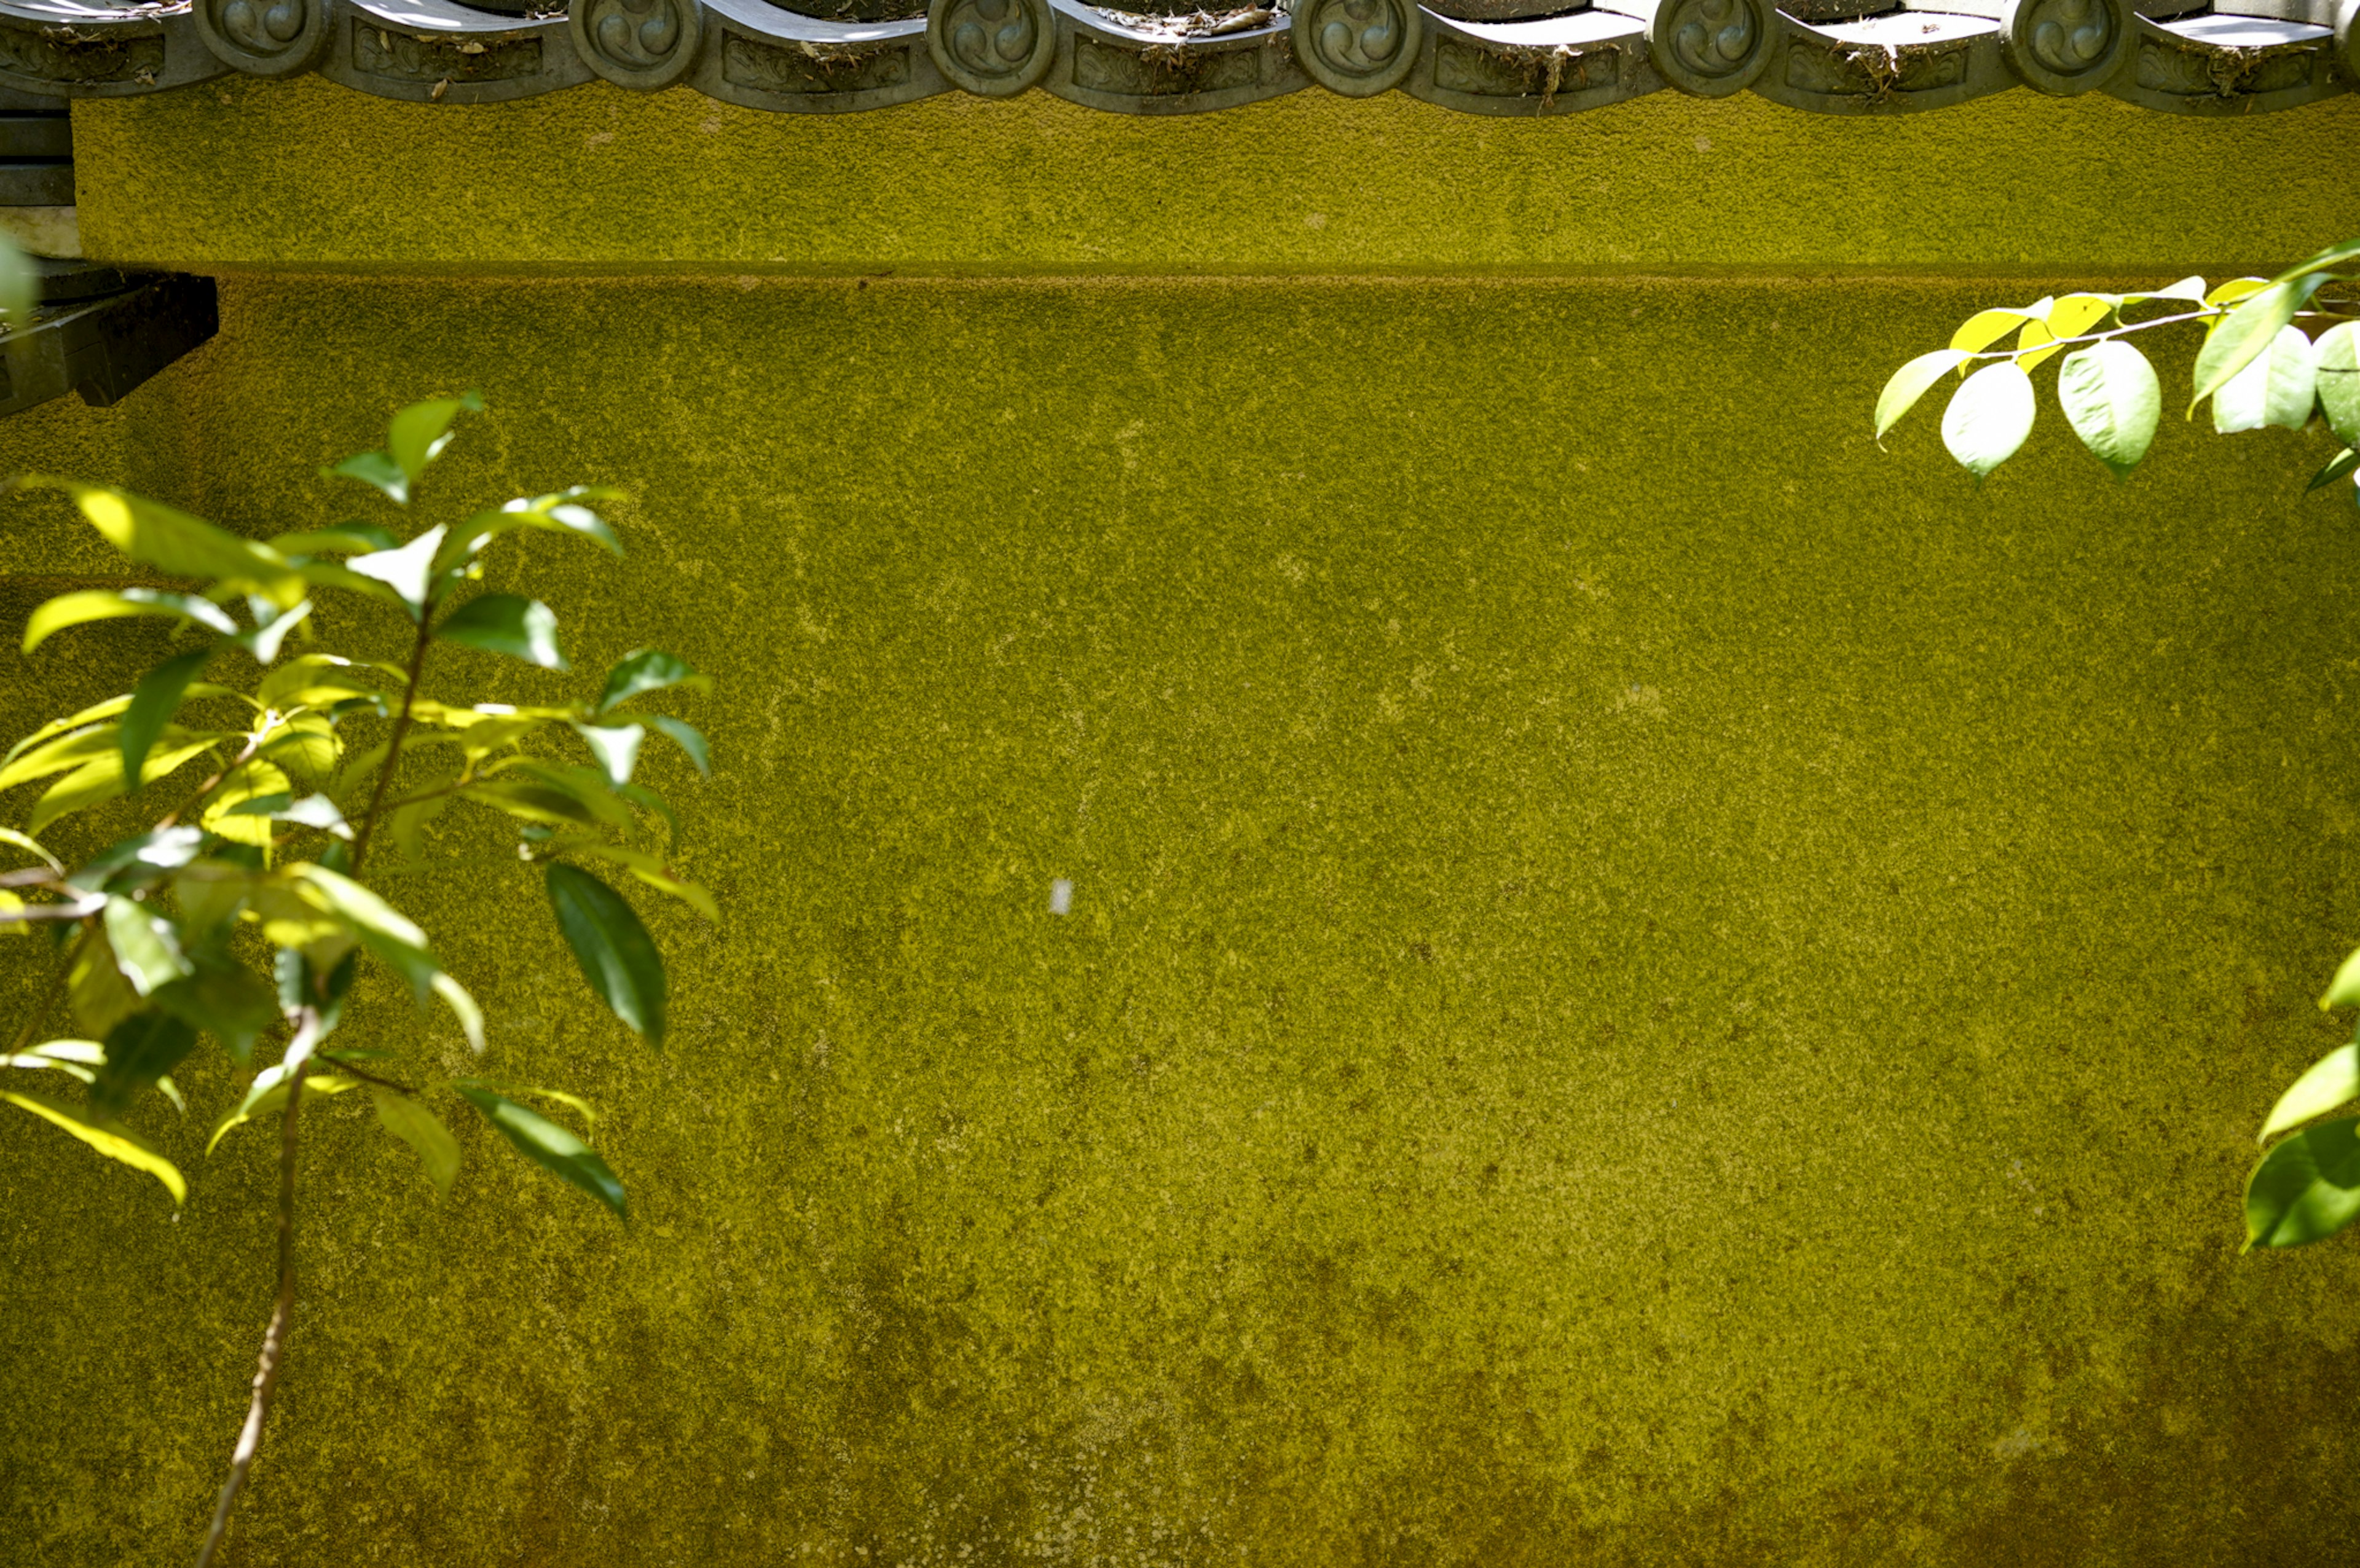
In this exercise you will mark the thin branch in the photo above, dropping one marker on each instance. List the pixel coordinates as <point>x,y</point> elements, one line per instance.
<point>401,733</point>
<point>273,1339</point>
<point>342,1065</point>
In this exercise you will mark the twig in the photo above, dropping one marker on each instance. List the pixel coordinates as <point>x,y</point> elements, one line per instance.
<point>401,733</point>
<point>273,1339</point>
<point>344,1066</point>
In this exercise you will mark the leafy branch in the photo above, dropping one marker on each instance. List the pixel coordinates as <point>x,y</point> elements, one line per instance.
<point>267,854</point>
<point>2257,365</point>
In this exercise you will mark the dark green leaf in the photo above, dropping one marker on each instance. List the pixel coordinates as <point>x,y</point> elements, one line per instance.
<point>224,999</point>
<point>420,1128</point>
<point>640,795</point>
<point>417,434</point>
<point>647,670</point>
<point>690,740</point>
<point>546,1144</point>
<point>505,623</point>
<point>616,955</point>
<point>140,860</point>
<point>154,700</point>
<point>140,1050</point>
<point>2340,466</point>
<point>2306,1188</point>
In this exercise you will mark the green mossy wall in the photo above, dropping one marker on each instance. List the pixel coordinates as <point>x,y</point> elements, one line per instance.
<point>1648,985</point>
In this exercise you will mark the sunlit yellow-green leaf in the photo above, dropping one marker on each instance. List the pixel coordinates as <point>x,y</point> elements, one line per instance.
<point>111,1139</point>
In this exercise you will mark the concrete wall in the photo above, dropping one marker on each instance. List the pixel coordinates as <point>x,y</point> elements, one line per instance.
<point>1648,984</point>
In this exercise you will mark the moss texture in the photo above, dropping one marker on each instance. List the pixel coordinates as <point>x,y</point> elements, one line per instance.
<point>1647,983</point>
<point>272,174</point>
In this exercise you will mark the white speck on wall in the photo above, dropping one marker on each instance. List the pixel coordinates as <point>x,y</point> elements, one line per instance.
<point>1061,897</point>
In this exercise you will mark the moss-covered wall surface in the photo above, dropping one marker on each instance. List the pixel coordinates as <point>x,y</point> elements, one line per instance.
<point>1647,983</point>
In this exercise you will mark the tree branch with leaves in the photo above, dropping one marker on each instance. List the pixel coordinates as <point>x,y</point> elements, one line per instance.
<point>2259,367</point>
<point>240,915</point>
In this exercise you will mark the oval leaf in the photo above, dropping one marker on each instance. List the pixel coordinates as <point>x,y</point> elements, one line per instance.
<point>2344,989</point>
<point>2245,333</point>
<point>616,955</point>
<point>1988,417</point>
<point>2333,1080</point>
<point>178,544</point>
<point>2306,1188</point>
<point>1910,382</point>
<point>420,1128</point>
<point>416,435</point>
<point>154,700</point>
<point>546,1144</point>
<point>114,604</point>
<point>2113,400</point>
<point>2339,379</point>
<point>507,623</point>
<point>647,670</point>
<point>2276,387</point>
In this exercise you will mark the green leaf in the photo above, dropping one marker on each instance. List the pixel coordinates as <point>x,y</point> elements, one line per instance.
<point>224,999</point>
<point>137,861</point>
<point>96,992</point>
<point>11,836</point>
<point>2333,1080</point>
<point>2333,256</point>
<point>115,603</point>
<point>344,538</point>
<point>2276,386</point>
<point>2338,349</point>
<point>62,754</point>
<point>409,571</point>
<point>110,1138</point>
<point>689,739</point>
<point>269,1093</point>
<point>532,802</point>
<point>378,469</point>
<point>1910,383</point>
<point>2113,400</point>
<point>1988,417</point>
<point>616,748</point>
<point>102,779</point>
<point>420,1128</point>
<point>416,435</point>
<point>154,700</point>
<point>575,1102</point>
<point>146,948</point>
<point>650,869</point>
<point>648,669</point>
<point>550,1146</point>
<point>178,544</point>
<point>616,955</point>
<point>1986,328</point>
<point>140,1050</point>
<point>2306,1188</point>
<point>253,782</point>
<point>2247,332</point>
<point>510,623</point>
<point>561,512</point>
<point>2344,989</point>
<point>2340,466</point>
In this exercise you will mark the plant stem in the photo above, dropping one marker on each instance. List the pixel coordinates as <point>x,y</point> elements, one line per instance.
<point>273,1339</point>
<point>401,733</point>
